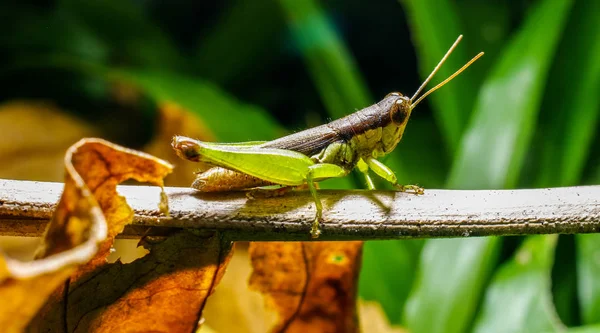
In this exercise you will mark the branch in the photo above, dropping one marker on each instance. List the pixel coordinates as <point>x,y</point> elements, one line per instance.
<point>26,207</point>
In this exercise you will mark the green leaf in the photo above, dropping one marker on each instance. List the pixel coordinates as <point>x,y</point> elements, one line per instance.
<point>564,281</point>
<point>435,25</point>
<point>494,146</point>
<point>388,272</point>
<point>572,104</point>
<point>451,275</point>
<point>588,276</point>
<point>330,64</point>
<point>519,298</point>
<point>229,119</point>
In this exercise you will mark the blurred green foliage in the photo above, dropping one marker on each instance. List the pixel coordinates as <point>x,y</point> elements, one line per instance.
<point>525,115</point>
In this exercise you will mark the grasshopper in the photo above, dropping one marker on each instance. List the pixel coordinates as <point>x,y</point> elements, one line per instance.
<point>303,158</point>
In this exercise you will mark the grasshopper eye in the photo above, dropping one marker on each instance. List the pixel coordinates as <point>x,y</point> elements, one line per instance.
<point>400,110</point>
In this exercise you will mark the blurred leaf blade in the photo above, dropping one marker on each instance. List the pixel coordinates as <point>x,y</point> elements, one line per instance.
<point>573,107</point>
<point>238,42</point>
<point>519,297</point>
<point>418,312</point>
<point>451,276</point>
<point>388,278</point>
<point>493,148</point>
<point>229,119</point>
<point>588,271</point>
<point>584,329</point>
<point>435,25</point>
<point>564,289</point>
<point>330,63</point>
<point>572,110</point>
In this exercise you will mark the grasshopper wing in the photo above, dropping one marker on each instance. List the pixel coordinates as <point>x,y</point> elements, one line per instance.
<point>279,166</point>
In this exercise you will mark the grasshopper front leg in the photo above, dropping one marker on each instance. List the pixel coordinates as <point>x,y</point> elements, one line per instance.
<point>363,167</point>
<point>384,172</point>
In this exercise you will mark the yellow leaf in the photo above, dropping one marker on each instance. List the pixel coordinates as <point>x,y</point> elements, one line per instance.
<point>311,285</point>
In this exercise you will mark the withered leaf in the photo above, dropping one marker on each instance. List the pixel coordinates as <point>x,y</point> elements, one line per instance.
<point>311,285</point>
<point>78,227</point>
<point>165,291</point>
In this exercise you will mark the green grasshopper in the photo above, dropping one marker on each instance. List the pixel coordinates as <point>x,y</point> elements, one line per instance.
<point>303,158</point>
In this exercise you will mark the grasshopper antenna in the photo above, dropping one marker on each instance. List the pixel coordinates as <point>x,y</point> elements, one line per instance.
<point>436,68</point>
<point>439,85</point>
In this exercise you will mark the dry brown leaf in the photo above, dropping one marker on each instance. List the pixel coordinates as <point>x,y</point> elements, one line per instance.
<point>78,228</point>
<point>163,291</point>
<point>311,285</point>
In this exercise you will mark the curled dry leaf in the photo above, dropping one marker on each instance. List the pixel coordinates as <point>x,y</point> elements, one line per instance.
<point>78,228</point>
<point>165,291</point>
<point>311,285</point>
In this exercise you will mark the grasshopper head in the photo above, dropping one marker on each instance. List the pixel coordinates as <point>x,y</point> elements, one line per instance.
<point>186,148</point>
